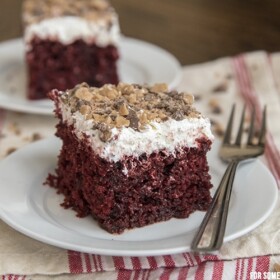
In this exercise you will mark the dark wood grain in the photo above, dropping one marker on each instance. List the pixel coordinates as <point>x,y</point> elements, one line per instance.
<point>193,30</point>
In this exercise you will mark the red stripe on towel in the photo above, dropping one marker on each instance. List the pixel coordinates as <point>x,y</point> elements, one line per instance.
<point>218,268</point>
<point>199,274</point>
<point>166,274</point>
<point>152,262</point>
<point>124,275</point>
<point>99,261</point>
<point>249,268</point>
<point>168,260</point>
<point>183,273</point>
<point>246,89</point>
<point>75,262</point>
<point>188,259</point>
<point>262,264</point>
<point>119,262</point>
<point>136,263</point>
<point>87,262</point>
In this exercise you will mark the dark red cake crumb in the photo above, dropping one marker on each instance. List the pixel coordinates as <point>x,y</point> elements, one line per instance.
<point>155,188</point>
<point>54,65</point>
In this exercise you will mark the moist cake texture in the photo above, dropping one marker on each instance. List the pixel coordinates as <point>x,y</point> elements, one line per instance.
<point>69,42</point>
<point>131,155</point>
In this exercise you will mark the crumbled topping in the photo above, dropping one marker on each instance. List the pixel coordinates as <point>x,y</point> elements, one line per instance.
<point>36,136</point>
<point>220,88</point>
<point>128,105</point>
<point>35,11</point>
<point>10,150</point>
<point>14,128</point>
<point>217,128</point>
<point>215,106</point>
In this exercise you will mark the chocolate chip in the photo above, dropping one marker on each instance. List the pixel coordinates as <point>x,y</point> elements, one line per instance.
<point>134,120</point>
<point>178,115</point>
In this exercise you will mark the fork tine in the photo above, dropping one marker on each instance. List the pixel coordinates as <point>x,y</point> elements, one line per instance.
<point>240,130</point>
<point>251,128</point>
<point>263,128</point>
<point>227,135</point>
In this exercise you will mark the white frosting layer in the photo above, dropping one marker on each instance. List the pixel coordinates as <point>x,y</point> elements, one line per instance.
<point>70,28</point>
<point>169,135</point>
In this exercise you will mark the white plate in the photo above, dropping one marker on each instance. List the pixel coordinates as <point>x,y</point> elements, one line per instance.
<point>34,209</point>
<point>140,63</point>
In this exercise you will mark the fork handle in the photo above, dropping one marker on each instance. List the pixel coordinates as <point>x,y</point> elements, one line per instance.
<point>211,232</point>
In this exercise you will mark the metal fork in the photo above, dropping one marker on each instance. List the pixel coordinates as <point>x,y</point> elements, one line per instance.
<point>211,232</point>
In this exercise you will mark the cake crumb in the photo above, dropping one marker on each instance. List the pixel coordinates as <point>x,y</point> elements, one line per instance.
<point>14,128</point>
<point>228,76</point>
<point>215,106</point>
<point>36,136</point>
<point>217,128</point>
<point>220,88</point>
<point>10,151</point>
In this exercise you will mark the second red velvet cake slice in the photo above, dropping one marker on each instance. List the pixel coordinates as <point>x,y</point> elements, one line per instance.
<point>131,155</point>
<point>68,42</point>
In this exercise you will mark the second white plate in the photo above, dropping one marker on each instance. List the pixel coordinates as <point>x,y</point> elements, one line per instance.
<point>34,209</point>
<point>140,62</point>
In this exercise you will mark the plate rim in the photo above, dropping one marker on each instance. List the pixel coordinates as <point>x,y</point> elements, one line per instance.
<point>29,106</point>
<point>115,251</point>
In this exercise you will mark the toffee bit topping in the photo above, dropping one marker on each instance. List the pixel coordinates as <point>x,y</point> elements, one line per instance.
<point>128,105</point>
<point>38,10</point>
<point>220,88</point>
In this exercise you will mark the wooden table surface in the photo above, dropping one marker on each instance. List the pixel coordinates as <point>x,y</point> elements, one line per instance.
<point>193,30</point>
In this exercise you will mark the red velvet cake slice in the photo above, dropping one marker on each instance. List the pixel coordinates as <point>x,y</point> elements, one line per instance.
<point>69,42</point>
<point>132,155</point>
